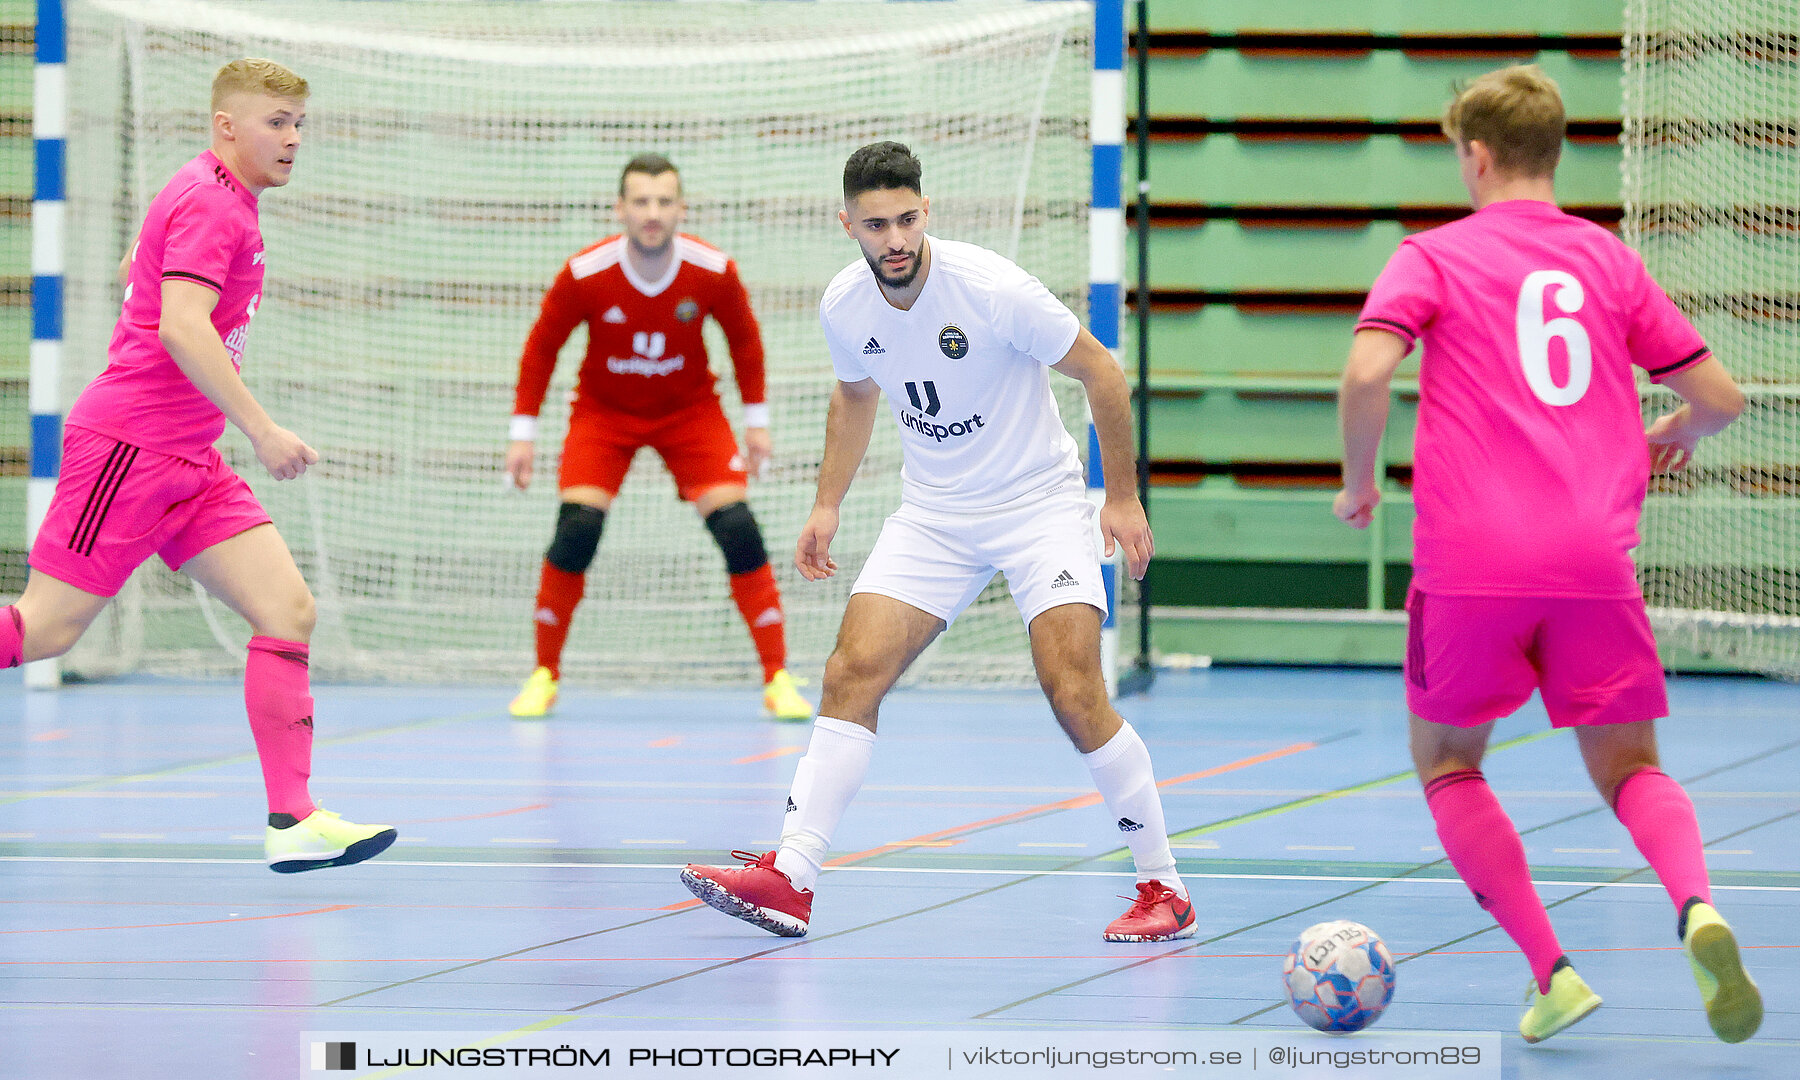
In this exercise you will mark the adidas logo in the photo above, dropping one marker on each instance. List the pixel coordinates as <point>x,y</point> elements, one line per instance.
<point>1128,825</point>
<point>1066,578</point>
<point>791,807</point>
<point>873,348</point>
<point>769,617</point>
<point>613,315</point>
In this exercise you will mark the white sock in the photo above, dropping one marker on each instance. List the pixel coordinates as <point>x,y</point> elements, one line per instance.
<point>1122,773</point>
<point>825,781</point>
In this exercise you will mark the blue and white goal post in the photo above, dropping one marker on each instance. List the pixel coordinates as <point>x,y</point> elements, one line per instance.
<point>1106,260</point>
<point>49,129</point>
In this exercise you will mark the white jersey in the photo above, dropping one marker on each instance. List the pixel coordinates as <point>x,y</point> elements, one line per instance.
<point>966,375</point>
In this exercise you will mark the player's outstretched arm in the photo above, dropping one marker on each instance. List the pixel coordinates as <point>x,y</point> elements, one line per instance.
<point>187,332</point>
<point>1710,399</point>
<point>849,423</point>
<point>1123,522</point>
<point>1362,417</point>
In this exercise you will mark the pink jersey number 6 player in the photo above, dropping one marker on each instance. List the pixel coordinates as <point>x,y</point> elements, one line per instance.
<point>1530,469</point>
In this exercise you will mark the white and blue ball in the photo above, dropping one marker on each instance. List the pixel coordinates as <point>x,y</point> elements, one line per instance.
<point>1339,976</point>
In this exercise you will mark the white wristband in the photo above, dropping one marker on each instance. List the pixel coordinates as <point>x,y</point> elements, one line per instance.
<point>757,415</point>
<point>524,428</point>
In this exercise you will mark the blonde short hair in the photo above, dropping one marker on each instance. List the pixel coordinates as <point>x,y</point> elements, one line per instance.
<point>1517,113</point>
<point>256,76</point>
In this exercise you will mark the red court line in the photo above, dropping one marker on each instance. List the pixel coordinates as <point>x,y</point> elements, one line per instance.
<point>783,752</point>
<point>1066,804</point>
<point>201,922</point>
<point>672,740</point>
<point>51,736</point>
<point>475,817</point>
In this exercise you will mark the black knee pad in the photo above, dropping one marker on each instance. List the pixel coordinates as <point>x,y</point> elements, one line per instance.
<point>734,527</point>
<point>577,537</point>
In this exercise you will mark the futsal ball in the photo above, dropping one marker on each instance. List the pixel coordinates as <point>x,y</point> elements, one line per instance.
<point>1339,976</point>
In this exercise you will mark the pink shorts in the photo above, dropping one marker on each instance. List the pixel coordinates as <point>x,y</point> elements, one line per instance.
<point>116,505</point>
<point>1472,659</point>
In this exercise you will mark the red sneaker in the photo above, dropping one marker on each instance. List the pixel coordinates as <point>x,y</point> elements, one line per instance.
<point>757,893</point>
<point>1158,914</point>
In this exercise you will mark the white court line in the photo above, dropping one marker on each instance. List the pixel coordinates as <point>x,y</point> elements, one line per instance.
<point>909,870</point>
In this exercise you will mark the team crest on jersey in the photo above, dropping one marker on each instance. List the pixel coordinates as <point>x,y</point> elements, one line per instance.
<point>953,342</point>
<point>686,310</point>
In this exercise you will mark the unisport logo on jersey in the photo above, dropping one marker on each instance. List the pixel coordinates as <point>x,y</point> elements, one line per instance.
<point>924,397</point>
<point>647,357</point>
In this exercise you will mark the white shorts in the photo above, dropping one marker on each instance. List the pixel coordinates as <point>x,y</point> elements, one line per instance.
<point>939,562</point>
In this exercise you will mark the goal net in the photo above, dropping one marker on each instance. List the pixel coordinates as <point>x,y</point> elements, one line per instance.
<point>1712,200</point>
<point>455,156</point>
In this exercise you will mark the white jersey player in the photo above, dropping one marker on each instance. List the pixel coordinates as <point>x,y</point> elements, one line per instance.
<point>961,341</point>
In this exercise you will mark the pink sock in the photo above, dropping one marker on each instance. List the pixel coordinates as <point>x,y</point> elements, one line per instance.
<point>1660,817</point>
<point>1486,850</point>
<point>278,697</point>
<point>12,637</point>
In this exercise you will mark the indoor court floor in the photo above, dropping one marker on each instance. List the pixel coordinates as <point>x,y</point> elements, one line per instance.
<point>534,886</point>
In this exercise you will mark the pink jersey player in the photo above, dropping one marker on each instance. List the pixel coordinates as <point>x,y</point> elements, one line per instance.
<point>140,476</point>
<point>1530,458</point>
<point>201,228</point>
<point>1530,470</point>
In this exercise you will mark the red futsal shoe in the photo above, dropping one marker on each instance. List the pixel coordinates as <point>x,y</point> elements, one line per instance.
<point>757,893</point>
<point>1158,914</point>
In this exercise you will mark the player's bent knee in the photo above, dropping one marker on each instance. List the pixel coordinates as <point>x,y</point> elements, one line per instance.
<point>577,537</point>
<point>855,674</point>
<point>305,614</point>
<point>734,527</point>
<point>1073,702</point>
<point>52,641</point>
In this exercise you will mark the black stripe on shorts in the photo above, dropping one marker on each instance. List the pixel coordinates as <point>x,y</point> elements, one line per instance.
<point>100,498</point>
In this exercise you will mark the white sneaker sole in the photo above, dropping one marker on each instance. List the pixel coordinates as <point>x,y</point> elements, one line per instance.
<point>293,862</point>
<point>717,897</point>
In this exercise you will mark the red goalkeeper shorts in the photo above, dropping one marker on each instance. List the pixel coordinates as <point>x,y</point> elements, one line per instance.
<point>696,443</point>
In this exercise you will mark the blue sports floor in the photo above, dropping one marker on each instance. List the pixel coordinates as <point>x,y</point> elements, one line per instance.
<point>535,879</point>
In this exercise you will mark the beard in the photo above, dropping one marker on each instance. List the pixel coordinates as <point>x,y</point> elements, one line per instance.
<point>906,277</point>
<point>656,252</point>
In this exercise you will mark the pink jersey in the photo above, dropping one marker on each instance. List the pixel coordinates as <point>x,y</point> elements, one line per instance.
<point>202,227</point>
<point>1530,463</point>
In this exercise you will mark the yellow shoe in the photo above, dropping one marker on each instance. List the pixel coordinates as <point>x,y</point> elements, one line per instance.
<point>319,840</point>
<point>1569,1000</point>
<point>537,697</point>
<point>1733,1003</point>
<point>783,701</point>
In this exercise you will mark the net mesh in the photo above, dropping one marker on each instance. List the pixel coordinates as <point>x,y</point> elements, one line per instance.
<point>456,154</point>
<point>1712,200</point>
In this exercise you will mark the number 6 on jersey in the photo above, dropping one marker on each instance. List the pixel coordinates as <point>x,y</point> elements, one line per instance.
<point>1535,335</point>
